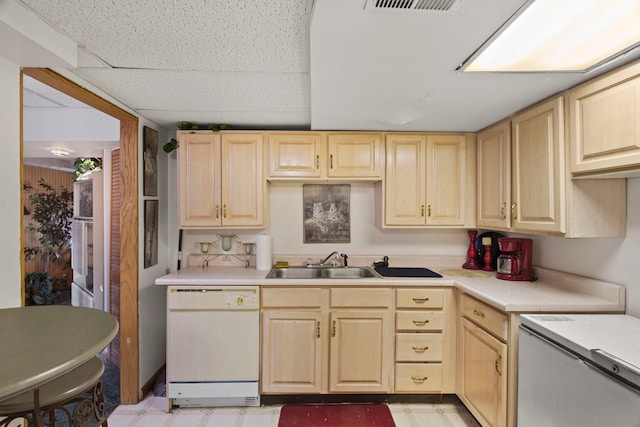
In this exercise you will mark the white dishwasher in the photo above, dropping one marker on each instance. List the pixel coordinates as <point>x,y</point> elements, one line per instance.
<point>213,345</point>
<point>579,370</point>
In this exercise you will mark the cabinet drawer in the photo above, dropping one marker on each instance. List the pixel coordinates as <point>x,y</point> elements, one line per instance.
<point>361,297</point>
<point>419,321</point>
<point>419,347</point>
<point>484,316</point>
<point>292,297</point>
<point>418,377</point>
<point>419,298</point>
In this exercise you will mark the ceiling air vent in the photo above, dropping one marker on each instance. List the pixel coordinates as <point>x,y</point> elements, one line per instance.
<point>427,5</point>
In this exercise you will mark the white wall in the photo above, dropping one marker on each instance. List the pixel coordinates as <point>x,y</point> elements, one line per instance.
<point>286,229</point>
<point>11,191</point>
<point>612,259</point>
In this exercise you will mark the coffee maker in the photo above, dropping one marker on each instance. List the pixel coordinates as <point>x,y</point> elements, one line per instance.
<point>515,259</point>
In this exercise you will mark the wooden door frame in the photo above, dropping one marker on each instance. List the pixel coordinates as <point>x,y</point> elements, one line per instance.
<point>129,339</point>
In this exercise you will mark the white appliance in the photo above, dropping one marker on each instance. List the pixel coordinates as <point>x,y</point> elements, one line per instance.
<point>213,345</point>
<point>579,371</point>
<point>82,262</point>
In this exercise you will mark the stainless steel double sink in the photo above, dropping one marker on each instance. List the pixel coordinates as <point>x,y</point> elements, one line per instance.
<point>321,273</point>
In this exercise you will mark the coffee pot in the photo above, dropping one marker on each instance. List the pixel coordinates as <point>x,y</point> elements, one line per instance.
<point>515,259</point>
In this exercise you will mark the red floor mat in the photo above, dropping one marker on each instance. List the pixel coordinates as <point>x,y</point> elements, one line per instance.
<point>345,415</point>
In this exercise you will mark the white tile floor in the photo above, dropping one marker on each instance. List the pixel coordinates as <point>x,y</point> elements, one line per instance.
<point>151,412</point>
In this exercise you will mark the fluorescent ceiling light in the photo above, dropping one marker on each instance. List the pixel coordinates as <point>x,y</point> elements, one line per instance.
<point>60,151</point>
<point>561,35</point>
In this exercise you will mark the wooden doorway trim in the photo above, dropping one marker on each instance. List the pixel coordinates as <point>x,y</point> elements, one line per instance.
<point>129,340</point>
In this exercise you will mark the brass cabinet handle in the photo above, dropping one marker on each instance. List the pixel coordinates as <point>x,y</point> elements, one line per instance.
<point>420,322</point>
<point>422,211</point>
<point>498,363</point>
<point>429,211</point>
<point>217,211</point>
<point>420,349</point>
<point>224,210</point>
<point>502,209</point>
<point>331,161</point>
<point>514,212</point>
<point>317,161</point>
<point>420,300</point>
<point>333,329</point>
<point>317,329</point>
<point>419,380</point>
<point>478,313</point>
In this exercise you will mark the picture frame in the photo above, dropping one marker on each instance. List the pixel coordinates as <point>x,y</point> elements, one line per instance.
<point>327,213</point>
<point>150,161</point>
<point>150,233</point>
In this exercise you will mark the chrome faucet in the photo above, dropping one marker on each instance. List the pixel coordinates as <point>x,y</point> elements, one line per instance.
<point>328,257</point>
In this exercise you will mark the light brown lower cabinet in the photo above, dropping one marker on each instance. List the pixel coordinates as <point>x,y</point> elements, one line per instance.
<point>482,362</point>
<point>358,340</point>
<point>333,340</point>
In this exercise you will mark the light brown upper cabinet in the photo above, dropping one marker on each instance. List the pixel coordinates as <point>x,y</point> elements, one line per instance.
<point>220,180</point>
<point>604,117</point>
<point>538,168</point>
<point>429,180</point>
<point>325,155</point>
<point>543,198</point>
<point>494,176</point>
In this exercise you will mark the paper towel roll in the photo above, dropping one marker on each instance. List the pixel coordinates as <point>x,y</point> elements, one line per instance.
<point>263,252</point>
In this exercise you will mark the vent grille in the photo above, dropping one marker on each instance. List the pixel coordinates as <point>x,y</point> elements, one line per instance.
<point>426,5</point>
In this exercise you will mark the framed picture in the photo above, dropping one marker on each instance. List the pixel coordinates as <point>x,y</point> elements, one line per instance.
<point>150,161</point>
<point>83,199</point>
<point>150,233</point>
<point>327,213</point>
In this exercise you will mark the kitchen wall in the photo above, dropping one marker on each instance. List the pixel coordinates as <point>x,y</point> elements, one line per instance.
<point>612,259</point>
<point>10,204</point>
<point>366,239</point>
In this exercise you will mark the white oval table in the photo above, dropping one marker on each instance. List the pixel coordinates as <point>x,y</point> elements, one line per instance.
<point>41,343</point>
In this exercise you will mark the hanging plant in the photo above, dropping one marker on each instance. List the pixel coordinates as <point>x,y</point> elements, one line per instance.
<point>85,166</point>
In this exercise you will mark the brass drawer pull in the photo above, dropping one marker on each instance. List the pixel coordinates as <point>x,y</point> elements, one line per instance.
<point>224,210</point>
<point>420,300</point>
<point>422,211</point>
<point>318,161</point>
<point>217,211</point>
<point>333,329</point>
<point>318,329</point>
<point>420,322</point>
<point>478,313</point>
<point>419,380</point>
<point>420,349</point>
<point>331,161</point>
<point>502,209</point>
<point>498,365</point>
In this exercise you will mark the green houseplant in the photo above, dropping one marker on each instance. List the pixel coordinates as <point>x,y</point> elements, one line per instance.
<point>52,212</point>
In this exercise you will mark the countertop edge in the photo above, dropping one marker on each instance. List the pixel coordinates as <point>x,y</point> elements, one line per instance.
<point>554,292</point>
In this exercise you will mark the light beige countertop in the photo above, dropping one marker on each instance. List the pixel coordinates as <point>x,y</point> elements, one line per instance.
<point>553,292</point>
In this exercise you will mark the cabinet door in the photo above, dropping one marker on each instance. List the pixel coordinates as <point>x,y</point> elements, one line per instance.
<point>360,359</point>
<point>538,168</point>
<point>483,375</point>
<point>291,352</point>
<point>243,183</point>
<point>446,179</point>
<point>295,155</point>
<point>199,179</point>
<point>404,186</point>
<point>355,155</point>
<point>605,130</point>
<point>494,177</point>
